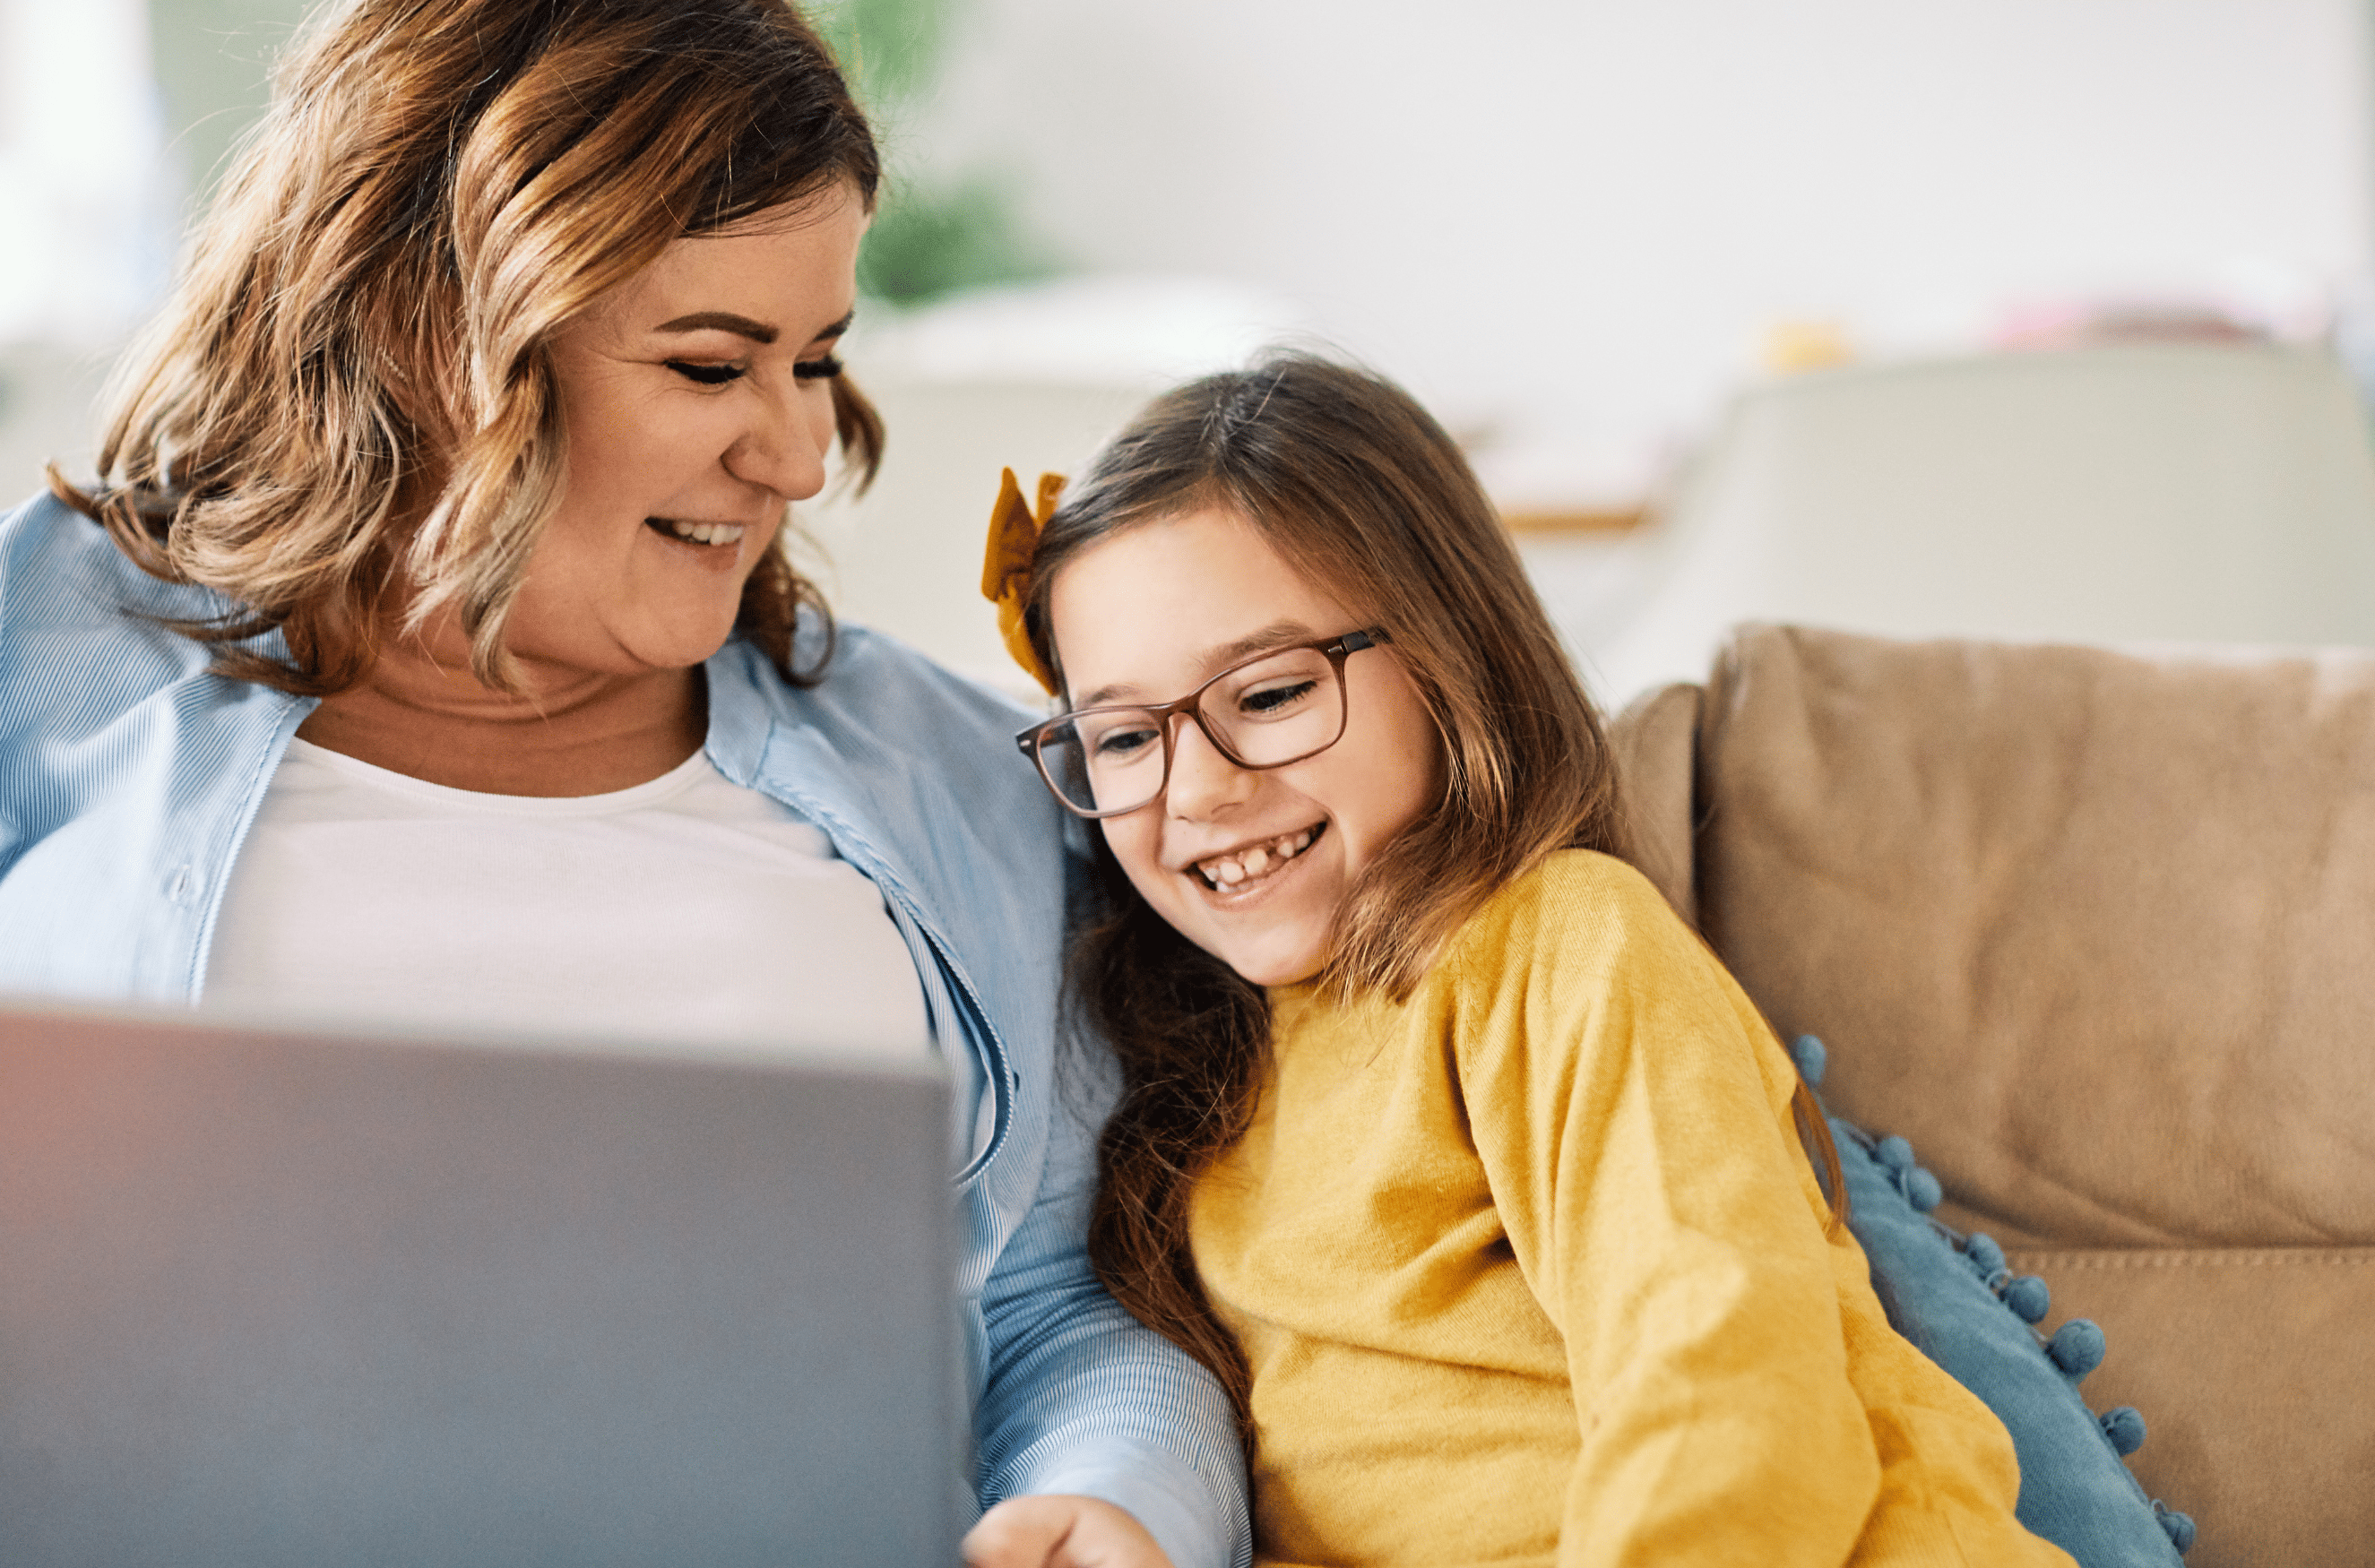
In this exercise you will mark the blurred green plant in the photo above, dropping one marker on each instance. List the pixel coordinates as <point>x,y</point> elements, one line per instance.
<point>891,49</point>
<point>934,231</point>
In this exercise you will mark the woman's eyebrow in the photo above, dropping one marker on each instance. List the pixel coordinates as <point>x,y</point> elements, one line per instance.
<point>722,321</point>
<point>743,326</point>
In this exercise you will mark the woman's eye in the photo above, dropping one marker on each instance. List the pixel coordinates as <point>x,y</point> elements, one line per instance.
<point>818,370</point>
<point>1264,701</point>
<point>707,375</point>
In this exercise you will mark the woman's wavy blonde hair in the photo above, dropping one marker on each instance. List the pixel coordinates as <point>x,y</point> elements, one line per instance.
<point>351,390</point>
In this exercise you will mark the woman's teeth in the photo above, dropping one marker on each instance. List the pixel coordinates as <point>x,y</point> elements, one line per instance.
<point>700,533</point>
<point>1240,866</point>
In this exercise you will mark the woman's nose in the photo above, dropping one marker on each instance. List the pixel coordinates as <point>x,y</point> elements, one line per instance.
<point>1203,782</point>
<point>783,448</point>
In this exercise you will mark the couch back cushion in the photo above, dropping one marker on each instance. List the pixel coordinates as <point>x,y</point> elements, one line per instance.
<point>2095,931</point>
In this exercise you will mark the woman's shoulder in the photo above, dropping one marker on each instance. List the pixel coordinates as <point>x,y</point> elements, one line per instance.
<point>67,589</point>
<point>876,661</point>
<point>45,543</point>
<point>873,682</point>
<point>892,738</point>
<point>57,564</point>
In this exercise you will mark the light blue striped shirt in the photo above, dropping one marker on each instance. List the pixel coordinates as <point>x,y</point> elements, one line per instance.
<point>129,774</point>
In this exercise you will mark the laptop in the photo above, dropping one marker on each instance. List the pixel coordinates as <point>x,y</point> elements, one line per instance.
<point>273,1297</point>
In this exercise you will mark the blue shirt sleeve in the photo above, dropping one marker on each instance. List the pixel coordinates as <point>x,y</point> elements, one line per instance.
<point>1081,1398</point>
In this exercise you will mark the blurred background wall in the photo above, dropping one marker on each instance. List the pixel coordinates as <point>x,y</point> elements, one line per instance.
<point>1583,230</point>
<point>1589,219</point>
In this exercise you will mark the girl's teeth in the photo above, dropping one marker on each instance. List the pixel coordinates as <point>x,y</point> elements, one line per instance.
<point>1247,864</point>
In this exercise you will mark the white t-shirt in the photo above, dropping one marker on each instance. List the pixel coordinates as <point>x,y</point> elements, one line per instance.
<point>686,909</point>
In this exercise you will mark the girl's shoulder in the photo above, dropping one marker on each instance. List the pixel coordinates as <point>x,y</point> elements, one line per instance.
<point>1574,891</point>
<point>1588,919</point>
<point>1583,946</point>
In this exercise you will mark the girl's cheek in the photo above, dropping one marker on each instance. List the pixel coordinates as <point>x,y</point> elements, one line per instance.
<point>1116,837</point>
<point>1137,847</point>
<point>1123,842</point>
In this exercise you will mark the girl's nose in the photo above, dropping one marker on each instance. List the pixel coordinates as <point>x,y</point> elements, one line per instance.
<point>1203,782</point>
<point>783,448</point>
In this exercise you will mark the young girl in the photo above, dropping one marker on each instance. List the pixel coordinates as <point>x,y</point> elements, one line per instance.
<point>1442,1142</point>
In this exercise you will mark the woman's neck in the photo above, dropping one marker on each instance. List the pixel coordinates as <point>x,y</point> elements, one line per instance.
<point>568,733</point>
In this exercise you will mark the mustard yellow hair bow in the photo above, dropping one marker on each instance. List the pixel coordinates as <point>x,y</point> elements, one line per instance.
<point>1006,566</point>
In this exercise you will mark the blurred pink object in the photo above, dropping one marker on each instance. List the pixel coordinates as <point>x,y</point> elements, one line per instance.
<point>2079,324</point>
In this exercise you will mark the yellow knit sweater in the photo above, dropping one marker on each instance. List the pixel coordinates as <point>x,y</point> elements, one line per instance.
<point>1531,1269</point>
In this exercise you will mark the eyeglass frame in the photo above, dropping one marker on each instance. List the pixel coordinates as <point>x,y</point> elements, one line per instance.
<point>1335,650</point>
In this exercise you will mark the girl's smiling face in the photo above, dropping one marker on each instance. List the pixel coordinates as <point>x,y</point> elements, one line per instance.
<point>1151,613</point>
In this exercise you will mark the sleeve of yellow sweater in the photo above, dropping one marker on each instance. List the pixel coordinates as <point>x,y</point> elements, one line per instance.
<point>1632,1113</point>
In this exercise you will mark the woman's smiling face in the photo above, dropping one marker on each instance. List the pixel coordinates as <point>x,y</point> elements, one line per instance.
<point>697,400</point>
<point>1151,613</point>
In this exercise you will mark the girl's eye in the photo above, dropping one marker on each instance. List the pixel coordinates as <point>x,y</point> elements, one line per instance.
<point>1267,701</point>
<point>1120,745</point>
<point>818,370</point>
<point>707,375</point>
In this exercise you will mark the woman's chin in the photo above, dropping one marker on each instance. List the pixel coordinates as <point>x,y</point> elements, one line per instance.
<point>683,630</point>
<point>682,653</point>
<point>671,646</point>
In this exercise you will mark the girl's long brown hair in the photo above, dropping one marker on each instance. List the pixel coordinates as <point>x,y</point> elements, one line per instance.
<point>1355,484</point>
<point>350,389</point>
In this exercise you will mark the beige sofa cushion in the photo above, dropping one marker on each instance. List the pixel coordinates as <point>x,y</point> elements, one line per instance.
<point>2253,1369</point>
<point>2096,932</point>
<point>1655,743</point>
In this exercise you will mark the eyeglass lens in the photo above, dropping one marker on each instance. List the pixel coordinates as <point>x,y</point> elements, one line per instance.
<point>1272,710</point>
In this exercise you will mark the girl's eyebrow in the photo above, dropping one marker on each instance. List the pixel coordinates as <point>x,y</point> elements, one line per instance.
<point>1212,660</point>
<point>743,326</point>
<point>1276,633</point>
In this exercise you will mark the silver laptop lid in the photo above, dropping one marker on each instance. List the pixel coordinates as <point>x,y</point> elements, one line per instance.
<point>295,1299</point>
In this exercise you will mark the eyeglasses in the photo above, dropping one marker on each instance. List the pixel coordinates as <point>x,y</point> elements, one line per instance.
<point>1273,708</point>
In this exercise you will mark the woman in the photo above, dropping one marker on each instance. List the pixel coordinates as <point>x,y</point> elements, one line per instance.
<point>427,649</point>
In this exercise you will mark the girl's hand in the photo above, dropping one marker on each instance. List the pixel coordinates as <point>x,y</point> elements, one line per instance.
<point>1056,1531</point>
